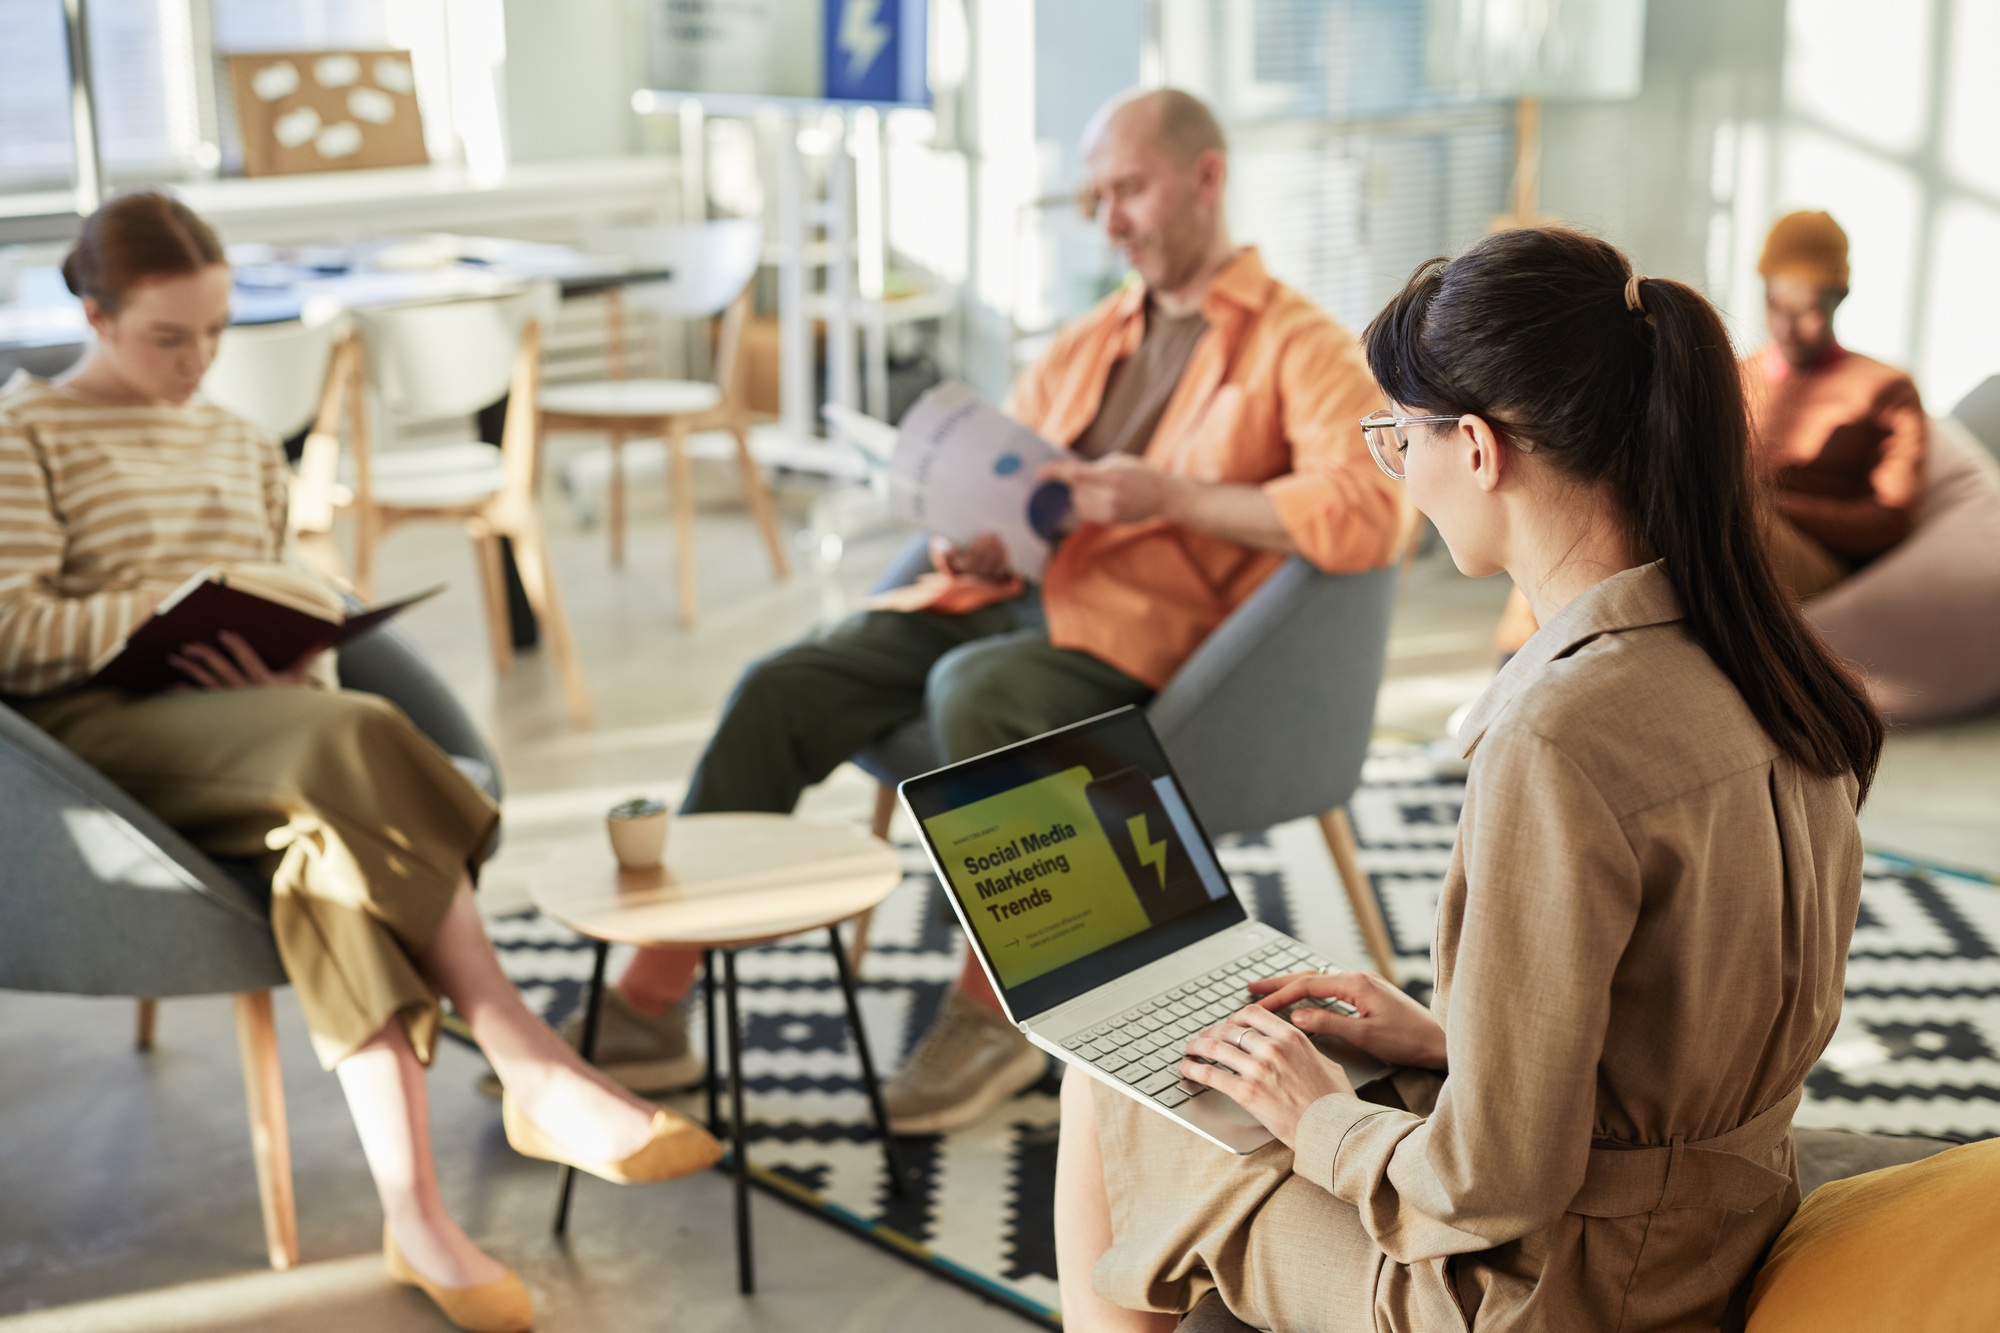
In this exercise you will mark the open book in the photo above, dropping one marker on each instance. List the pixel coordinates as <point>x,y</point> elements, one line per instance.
<point>283,613</point>
<point>959,466</point>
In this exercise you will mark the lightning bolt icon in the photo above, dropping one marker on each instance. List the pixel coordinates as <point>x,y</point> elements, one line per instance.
<point>1151,852</point>
<point>862,36</point>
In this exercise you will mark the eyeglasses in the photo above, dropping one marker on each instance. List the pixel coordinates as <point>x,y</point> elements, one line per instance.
<point>1386,441</point>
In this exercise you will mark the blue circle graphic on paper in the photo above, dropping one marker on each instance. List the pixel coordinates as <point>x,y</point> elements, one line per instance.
<point>1049,509</point>
<point>1006,465</point>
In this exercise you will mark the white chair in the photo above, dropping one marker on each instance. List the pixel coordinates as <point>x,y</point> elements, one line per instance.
<point>449,360</point>
<point>285,378</point>
<point>711,265</point>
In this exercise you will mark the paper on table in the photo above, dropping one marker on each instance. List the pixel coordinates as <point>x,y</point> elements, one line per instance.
<point>961,467</point>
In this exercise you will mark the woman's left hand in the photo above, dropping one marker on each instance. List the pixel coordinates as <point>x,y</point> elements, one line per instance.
<point>1267,1066</point>
<point>241,668</point>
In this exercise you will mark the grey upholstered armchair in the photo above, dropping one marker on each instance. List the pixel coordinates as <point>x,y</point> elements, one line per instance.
<point>1269,720</point>
<point>102,898</point>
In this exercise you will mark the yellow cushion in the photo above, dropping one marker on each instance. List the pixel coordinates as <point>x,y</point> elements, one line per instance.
<point>1914,1248</point>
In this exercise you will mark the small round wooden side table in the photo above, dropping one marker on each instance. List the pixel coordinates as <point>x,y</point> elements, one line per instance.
<point>729,882</point>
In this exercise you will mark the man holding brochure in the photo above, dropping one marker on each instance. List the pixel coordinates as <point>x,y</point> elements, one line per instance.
<point>1210,417</point>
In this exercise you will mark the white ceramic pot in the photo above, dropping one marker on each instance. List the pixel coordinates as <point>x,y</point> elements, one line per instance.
<point>638,841</point>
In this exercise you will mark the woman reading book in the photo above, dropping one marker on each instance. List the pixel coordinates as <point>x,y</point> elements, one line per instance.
<point>117,483</point>
<point>1643,934</point>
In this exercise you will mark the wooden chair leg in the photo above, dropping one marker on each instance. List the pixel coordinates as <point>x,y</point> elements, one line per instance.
<point>149,1018</point>
<point>321,554</point>
<point>538,580</point>
<point>857,948</point>
<point>615,497</point>
<point>270,1139</point>
<point>878,824</point>
<point>1338,830</point>
<point>492,562</point>
<point>683,518</point>
<point>367,536</point>
<point>759,496</point>
<point>885,811</point>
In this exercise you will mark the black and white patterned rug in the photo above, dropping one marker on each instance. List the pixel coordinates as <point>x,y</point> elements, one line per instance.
<point>1917,1050</point>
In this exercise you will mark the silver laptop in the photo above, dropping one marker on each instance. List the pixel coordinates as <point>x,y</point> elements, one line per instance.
<point>1094,902</point>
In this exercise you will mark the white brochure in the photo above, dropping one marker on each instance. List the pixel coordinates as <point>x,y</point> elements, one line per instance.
<point>961,467</point>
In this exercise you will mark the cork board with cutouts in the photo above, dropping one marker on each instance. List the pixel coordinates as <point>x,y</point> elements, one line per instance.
<point>326,111</point>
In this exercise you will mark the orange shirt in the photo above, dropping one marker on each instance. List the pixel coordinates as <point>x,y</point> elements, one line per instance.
<point>1843,446</point>
<point>1272,396</point>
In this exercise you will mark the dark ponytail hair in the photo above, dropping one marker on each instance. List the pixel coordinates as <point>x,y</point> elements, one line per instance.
<point>1532,330</point>
<point>134,237</point>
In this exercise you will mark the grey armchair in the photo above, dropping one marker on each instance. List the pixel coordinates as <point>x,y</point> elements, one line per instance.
<point>1269,720</point>
<point>102,898</point>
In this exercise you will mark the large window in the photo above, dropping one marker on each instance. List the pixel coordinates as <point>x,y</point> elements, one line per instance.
<point>161,95</point>
<point>34,96</point>
<point>1349,166</point>
<point>1890,127</point>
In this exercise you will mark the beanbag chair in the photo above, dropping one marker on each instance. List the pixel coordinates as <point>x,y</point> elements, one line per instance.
<point>1910,1248</point>
<point>1923,621</point>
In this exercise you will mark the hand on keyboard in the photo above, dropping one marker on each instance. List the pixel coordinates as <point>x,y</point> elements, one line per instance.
<point>1266,1065</point>
<point>1360,1008</point>
<point>1145,1046</point>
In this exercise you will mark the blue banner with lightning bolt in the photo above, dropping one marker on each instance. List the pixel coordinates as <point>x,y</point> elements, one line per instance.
<point>875,51</point>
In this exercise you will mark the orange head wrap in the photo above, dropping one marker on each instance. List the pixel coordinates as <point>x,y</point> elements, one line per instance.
<point>1809,246</point>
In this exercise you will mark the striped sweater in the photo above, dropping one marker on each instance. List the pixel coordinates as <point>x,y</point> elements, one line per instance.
<point>105,509</point>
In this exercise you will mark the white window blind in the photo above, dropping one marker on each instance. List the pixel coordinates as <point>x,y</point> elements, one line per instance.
<point>1348,167</point>
<point>142,65</point>
<point>303,25</point>
<point>34,96</point>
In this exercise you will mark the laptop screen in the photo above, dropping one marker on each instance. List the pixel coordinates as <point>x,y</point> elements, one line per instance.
<point>1073,858</point>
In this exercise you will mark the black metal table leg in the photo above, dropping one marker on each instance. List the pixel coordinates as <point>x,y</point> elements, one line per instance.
<point>746,1276</point>
<point>868,1080</point>
<point>593,1008</point>
<point>709,1049</point>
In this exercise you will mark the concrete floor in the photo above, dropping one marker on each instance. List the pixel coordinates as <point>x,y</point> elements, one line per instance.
<point>127,1200</point>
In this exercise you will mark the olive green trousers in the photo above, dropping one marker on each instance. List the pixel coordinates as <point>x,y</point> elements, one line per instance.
<point>365,826</point>
<point>984,680</point>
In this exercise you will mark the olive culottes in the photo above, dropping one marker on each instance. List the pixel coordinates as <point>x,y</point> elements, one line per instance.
<point>363,823</point>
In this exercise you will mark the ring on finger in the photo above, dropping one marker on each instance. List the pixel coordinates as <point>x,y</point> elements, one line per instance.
<point>1241,1035</point>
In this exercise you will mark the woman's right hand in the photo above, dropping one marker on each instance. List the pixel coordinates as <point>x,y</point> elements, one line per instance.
<point>1390,1025</point>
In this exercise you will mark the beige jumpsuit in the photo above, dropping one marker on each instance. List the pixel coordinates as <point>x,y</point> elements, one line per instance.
<point>1640,950</point>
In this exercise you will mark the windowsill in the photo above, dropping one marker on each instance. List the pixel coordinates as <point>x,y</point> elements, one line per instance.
<point>333,205</point>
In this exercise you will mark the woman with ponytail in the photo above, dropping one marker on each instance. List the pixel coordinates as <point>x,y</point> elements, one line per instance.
<point>1642,939</point>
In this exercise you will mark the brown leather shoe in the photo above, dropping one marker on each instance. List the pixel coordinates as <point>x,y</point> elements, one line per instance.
<point>499,1306</point>
<point>678,1147</point>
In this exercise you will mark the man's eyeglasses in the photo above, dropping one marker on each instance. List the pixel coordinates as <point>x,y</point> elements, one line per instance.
<point>1386,440</point>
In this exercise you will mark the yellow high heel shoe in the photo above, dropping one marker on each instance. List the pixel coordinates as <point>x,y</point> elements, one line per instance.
<point>677,1147</point>
<point>499,1306</point>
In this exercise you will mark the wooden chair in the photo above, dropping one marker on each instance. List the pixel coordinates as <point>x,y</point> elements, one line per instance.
<point>712,265</point>
<point>448,360</point>
<point>287,377</point>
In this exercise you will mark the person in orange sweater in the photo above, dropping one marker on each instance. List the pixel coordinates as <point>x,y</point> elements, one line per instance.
<point>1213,418</point>
<point>1838,438</point>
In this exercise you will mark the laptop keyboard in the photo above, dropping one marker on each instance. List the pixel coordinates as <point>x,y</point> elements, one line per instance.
<point>1143,1046</point>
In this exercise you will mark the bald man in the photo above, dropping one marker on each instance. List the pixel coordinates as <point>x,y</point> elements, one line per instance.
<point>1212,417</point>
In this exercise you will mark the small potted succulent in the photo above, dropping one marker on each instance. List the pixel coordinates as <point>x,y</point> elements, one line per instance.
<point>638,829</point>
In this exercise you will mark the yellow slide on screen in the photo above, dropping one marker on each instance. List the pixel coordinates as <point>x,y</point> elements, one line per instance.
<point>1037,875</point>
